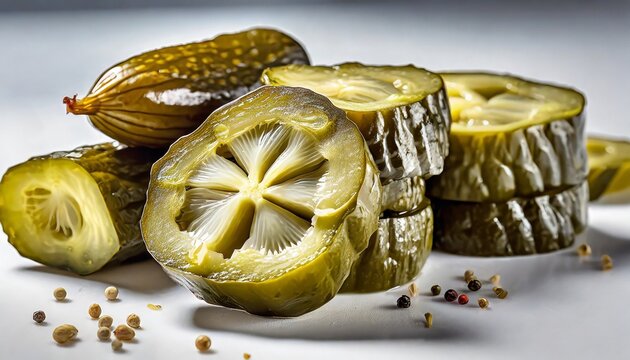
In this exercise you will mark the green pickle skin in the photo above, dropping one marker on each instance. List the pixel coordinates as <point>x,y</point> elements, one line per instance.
<point>609,169</point>
<point>156,97</point>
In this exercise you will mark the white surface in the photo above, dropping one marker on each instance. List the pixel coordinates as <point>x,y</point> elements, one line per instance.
<point>558,307</point>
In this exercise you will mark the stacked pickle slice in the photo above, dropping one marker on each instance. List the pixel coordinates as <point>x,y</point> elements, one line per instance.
<point>514,180</point>
<point>403,114</point>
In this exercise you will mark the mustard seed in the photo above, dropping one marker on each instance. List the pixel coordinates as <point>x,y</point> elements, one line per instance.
<point>133,320</point>
<point>111,293</point>
<point>246,356</point>
<point>203,343</point>
<point>94,311</point>
<point>39,316</point>
<point>117,345</point>
<point>584,250</point>
<point>104,333</point>
<point>105,321</point>
<point>483,303</point>
<point>607,262</point>
<point>60,294</point>
<point>500,292</point>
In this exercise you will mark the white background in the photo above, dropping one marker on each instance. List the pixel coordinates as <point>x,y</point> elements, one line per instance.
<point>558,307</point>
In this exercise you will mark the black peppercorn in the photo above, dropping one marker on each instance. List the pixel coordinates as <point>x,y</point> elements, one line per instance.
<point>403,302</point>
<point>436,290</point>
<point>474,285</point>
<point>450,295</point>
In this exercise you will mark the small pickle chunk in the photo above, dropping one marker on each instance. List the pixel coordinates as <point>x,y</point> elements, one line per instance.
<point>267,205</point>
<point>609,169</point>
<point>156,97</point>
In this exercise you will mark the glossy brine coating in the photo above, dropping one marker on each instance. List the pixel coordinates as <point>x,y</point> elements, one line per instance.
<point>402,111</point>
<point>154,98</point>
<point>510,138</point>
<point>267,205</point>
<point>609,169</point>
<point>80,209</point>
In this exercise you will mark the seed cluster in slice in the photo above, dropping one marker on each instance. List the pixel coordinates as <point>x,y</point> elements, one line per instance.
<point>609,169</point>
<point>267,205</point>
<point>510,138</point>
<point>77,210</point>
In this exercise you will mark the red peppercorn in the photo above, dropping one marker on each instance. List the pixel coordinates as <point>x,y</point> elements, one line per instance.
<point>450,295</point>
<point>462,299</point>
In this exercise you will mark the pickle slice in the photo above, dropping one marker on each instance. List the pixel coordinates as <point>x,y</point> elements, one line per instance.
<point>403,195</point>
<point>155,97</point>
<point>267,205</point>
<point>609,168</point>
<point>402,111</point>
<point>520,226</point>
<point>396,253</point>
<point>77,210</point>
<point>510,138</point>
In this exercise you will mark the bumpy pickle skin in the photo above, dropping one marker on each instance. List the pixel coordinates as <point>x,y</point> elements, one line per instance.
<point>609,169</point>
<point>510,138</point>
<point>287,146</point>
<point>156,97</point>
<point>402,111</point>
<point>397,252</point>
<point>521,226</point>
<point>77,210</point>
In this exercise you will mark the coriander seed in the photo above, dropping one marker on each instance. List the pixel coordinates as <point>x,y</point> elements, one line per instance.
<point>483,303</point>
<point>124,333</point>
<point>111,293</point>
<point>462,299</point>
<point>474,285</point>
<point>64,333</point>
<point>500,292</point>
<point>60,294</point>
<point>607,262</point>
<point>495,279</point>
<point>133,320</point>
<point>436,290</point>
<point>203,343</point>
<point>117,345</point>
<point>103,333</point>
<point>403,302</point>
<point>105,321</point>
<point>584,250</point>
<point>428,320</point>
<point>39,316</point>
<point>94,311</point>
<point>413,289</point>
<point>450,295</point>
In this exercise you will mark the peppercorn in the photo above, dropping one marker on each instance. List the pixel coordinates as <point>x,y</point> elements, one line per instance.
<point>428,320</point>
<point>450,295</point>
<point>133,320</point>
<point>413,289</point>
<point>39,316</point>
<point>94,311</point>
<point>103,333</point>
<point>500,292</point>
<point>483,303</point>
<point>60,294</point>
<point>111,293</point>
<point>105,321</point>
<point>495,279</point>
<point>584,250</point>
<point>403,302</point>
<point>462,299</point>
<point>474,285</point>
<point>607,262</point>
<point>469,275</point>
<point>436,290</point>
<point>203,343</point>
<point>117,345</point>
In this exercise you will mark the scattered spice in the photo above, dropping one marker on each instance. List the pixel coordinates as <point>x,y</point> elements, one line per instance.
<point>64,333</point>
<point>450,295</point>
<point>584,250</point>
<point>483,303</point>
<point>403,302</point>
<point>117,345</point>
<point>203,343</point>
<point>105,321</point>
<point>124,333</point>
<point>495,279</point>
<point>474,285</point>
<point>413,289</point>
<point>60,294</point>
<point>428,320</point>
<point>94,311</point>
<point>103,333</point>
<point>436,290</point>
<point>607,262</point>
<point>246,356</point>
<point>39,316</point>
<point>462,299</point>
<point>133,320</point>
<point>469,275</point>
<point>500,292</point>
<point>154,306</point>
<point>111,293</point>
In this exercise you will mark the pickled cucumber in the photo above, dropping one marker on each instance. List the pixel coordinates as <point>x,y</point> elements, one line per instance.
<point>609,168</point>
<point>520,226</point>
<point>396,253</point>
<point>77,210</point>
<point>267,205</point>
<point>402,111</point>
<point>154,98</point>
<point>510,138</point>
<point>403,195</point>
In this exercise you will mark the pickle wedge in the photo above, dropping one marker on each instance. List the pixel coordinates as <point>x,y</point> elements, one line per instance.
<point>153,98</point>
<point>402,111</point>
<point>609,168</point>
<point>77,210</point>
<point>520,226</point>
<point>510,138</point>
<point>267,205</point>
<point>396,253</point>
